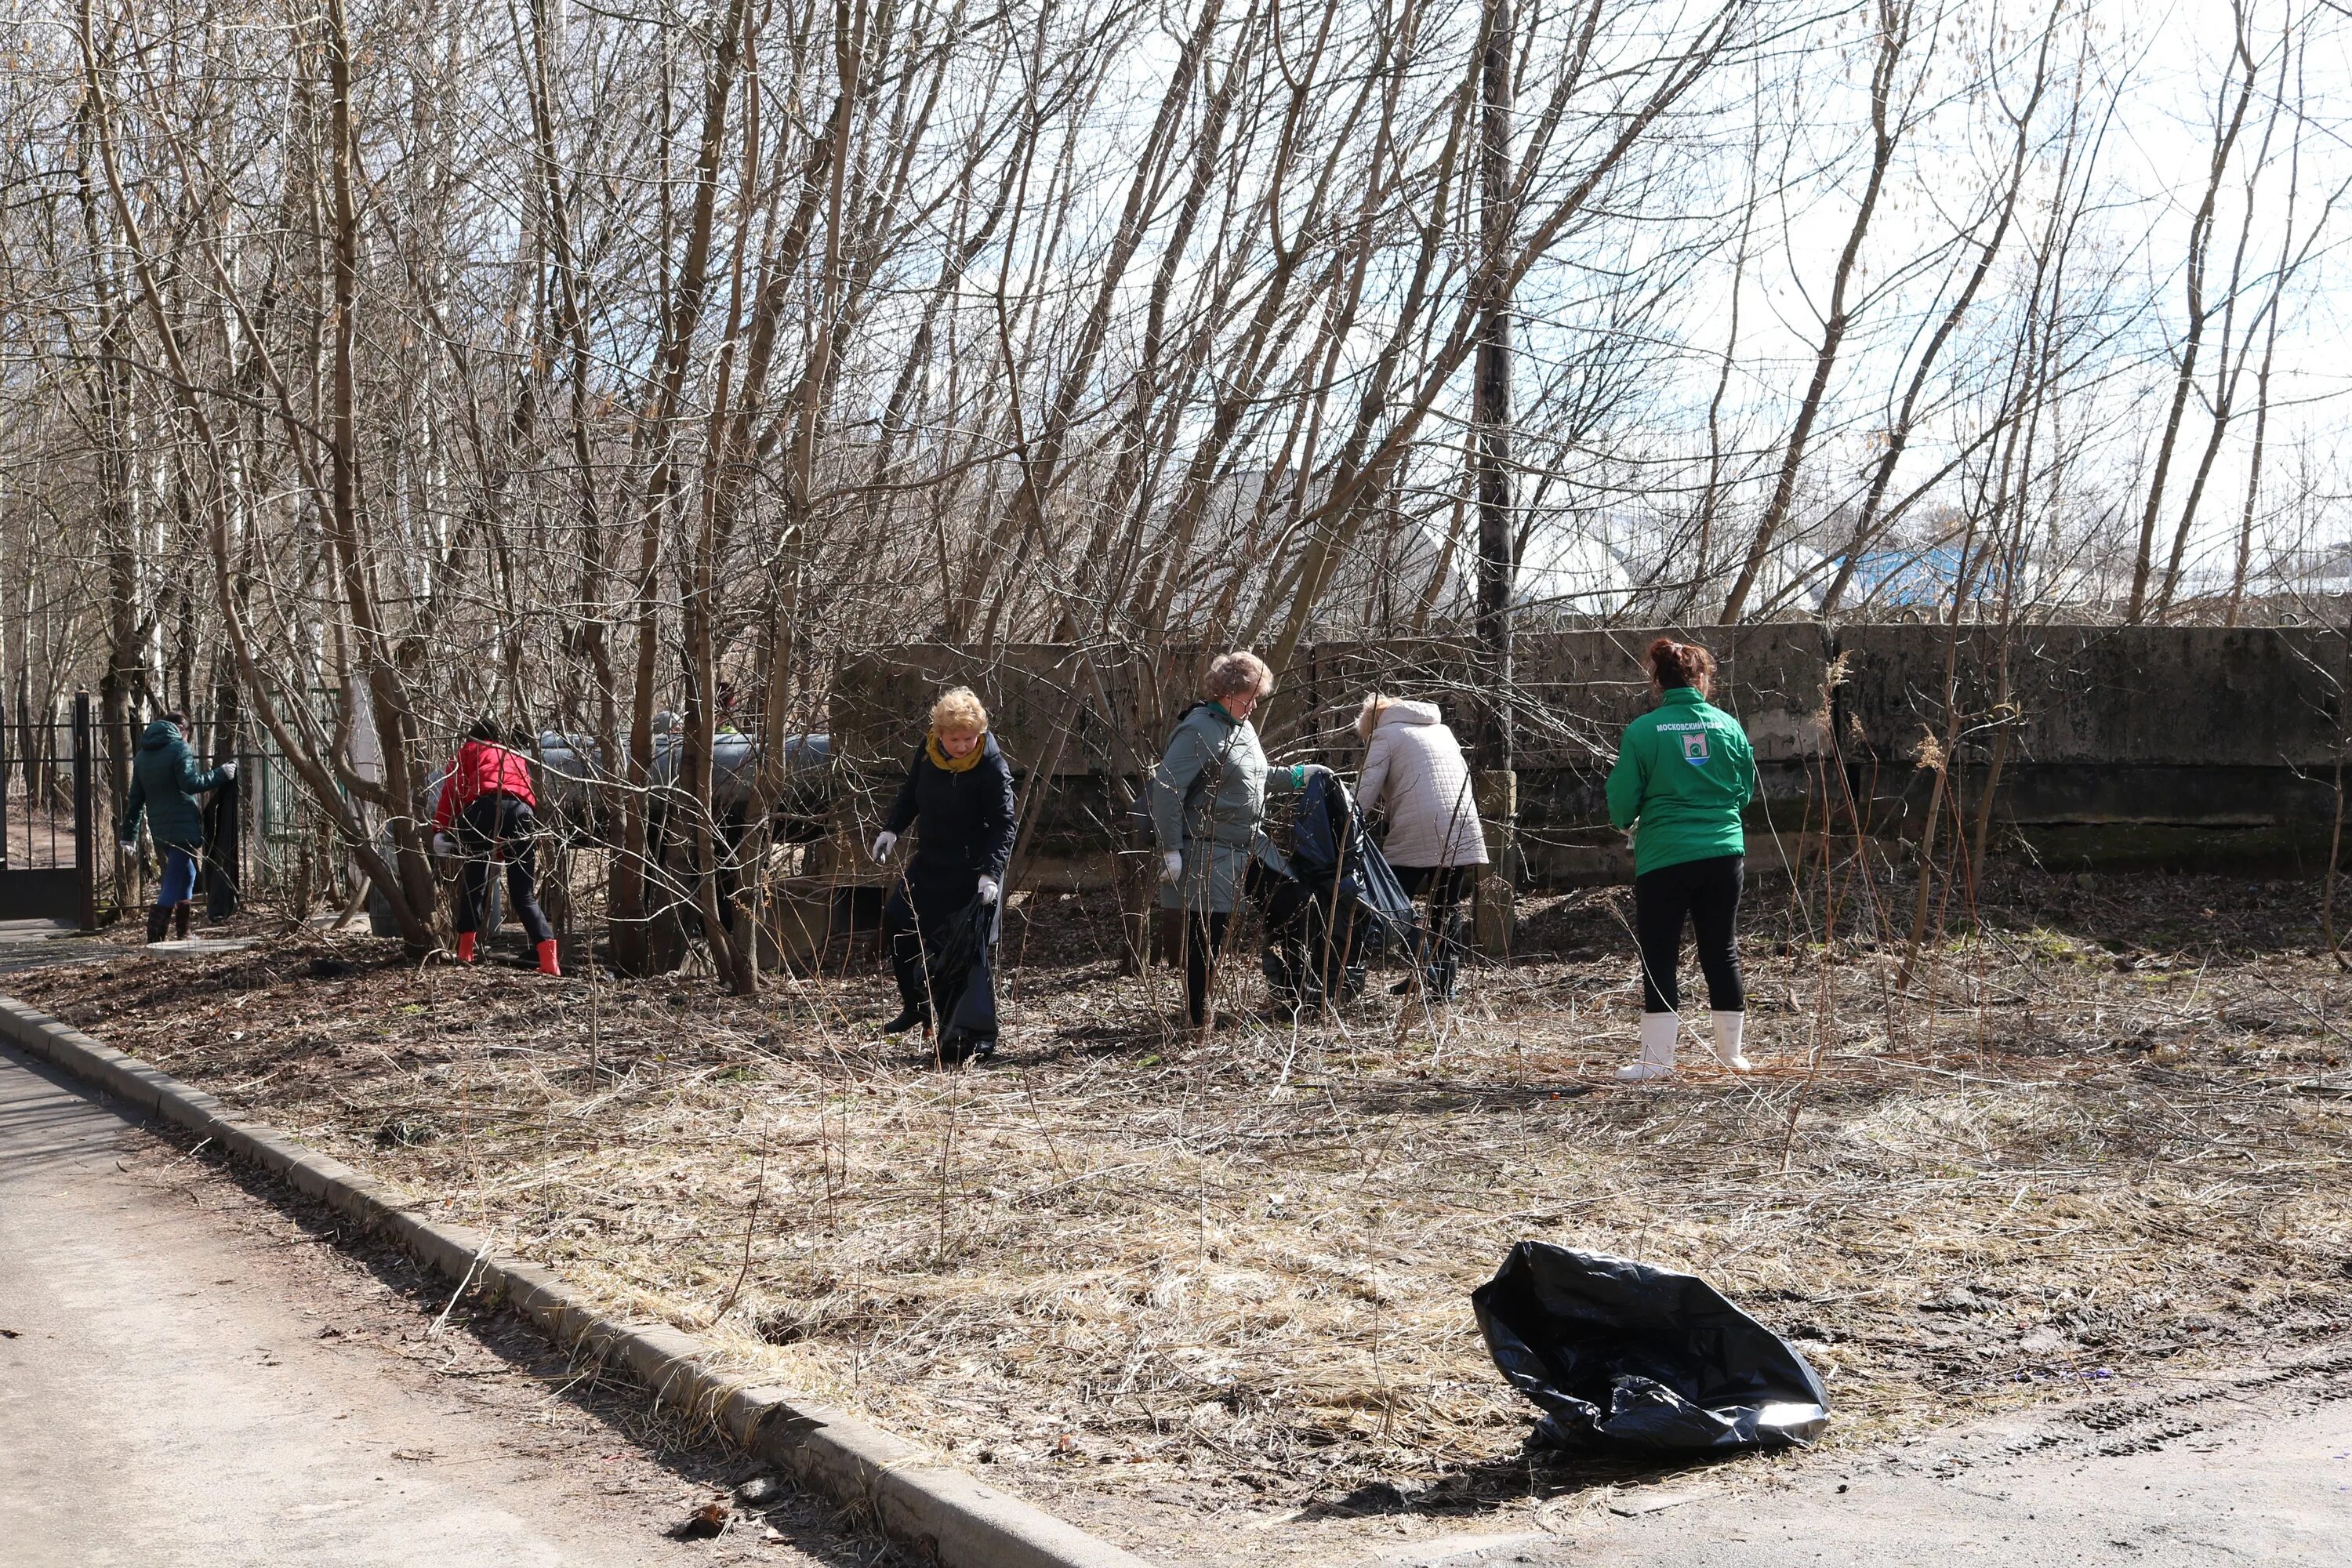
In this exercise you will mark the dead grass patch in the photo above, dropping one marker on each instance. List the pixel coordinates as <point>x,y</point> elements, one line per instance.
<point>2105,1133</point>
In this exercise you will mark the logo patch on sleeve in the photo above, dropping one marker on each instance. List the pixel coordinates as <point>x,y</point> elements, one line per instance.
<point>1695,748</point>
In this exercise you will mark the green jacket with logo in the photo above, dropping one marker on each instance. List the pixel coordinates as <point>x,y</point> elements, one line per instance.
<point>1684,774</point>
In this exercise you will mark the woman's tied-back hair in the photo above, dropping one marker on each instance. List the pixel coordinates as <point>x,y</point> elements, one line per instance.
<point>487,730</point>
<point>1232,674</point>
<point>958,712</point>
<point>1682,664</point>
<point>1375,704</point>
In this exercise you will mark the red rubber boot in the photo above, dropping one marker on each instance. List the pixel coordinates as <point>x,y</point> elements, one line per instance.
<point>547,958</point>
<point>465,947</point>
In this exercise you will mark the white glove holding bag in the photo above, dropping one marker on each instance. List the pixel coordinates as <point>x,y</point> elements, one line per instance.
<point>1171,867</point>
<point>989,890</point>
<point>883,844</point>
<point>444,845</point>
<point>128,847</point>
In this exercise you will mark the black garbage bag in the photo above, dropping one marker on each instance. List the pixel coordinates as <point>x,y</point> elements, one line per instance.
<point>1332,905</point>
<point>1620,1353</point>
<point>963,980</point>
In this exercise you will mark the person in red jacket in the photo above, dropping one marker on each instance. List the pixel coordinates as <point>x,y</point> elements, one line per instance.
<point>489,805</point>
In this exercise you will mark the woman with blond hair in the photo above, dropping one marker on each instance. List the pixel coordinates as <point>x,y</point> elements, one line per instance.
<point>1208,813</point>
<point>957,798</point>
<point>1684,775</point>
<point>1415,774</point>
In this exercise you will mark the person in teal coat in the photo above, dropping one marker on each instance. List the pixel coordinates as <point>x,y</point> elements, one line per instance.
<point>164,784</point>
<point>1683,774</point>
<point>1208,813</point>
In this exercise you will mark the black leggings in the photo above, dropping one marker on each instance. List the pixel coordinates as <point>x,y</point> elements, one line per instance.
<point>490,826</point>
<point>1204,938</point>
<point>1441,951</point>
<point>1707,892</point>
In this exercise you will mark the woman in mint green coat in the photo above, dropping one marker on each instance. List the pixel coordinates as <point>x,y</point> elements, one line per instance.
<point>1683,774</point>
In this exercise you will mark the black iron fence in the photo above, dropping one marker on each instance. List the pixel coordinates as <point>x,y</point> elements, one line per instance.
<point>48,863</point>
<point>65,775</point>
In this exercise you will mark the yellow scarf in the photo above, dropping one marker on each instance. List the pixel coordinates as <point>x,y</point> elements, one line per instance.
<point>947,765</point>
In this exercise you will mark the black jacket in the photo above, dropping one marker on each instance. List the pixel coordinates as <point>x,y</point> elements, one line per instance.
<point>965,821</point>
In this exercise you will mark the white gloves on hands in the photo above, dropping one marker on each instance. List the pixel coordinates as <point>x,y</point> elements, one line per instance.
<point>444,845</point>
<point>227,769</point>
<point>989,890</point>
<point>1171,867</point>
<point>128,847</point>
<point>883,844</point>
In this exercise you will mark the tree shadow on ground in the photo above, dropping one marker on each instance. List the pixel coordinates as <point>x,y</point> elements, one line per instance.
<point>1537,1471</point>
<point>615,1408</point>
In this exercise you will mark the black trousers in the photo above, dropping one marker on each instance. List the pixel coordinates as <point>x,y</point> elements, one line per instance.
<point>1706,893</point>
<point>1440,944</point>
<point>902,938</point>
<point>491,826</point>
<point>1204,938</point>
<point>915,921</point>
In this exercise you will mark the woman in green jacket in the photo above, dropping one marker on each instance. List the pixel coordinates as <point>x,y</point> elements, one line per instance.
<point>1208,813</point>
<point>165,785</point>
<point>1683,774</point>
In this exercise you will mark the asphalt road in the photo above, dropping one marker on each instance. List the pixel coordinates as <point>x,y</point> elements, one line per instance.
<point>193,1373</point>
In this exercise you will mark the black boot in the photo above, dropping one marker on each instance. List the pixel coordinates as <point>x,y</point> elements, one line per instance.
<point>159,920</point>
<point>180,919</point>
<point>911,1016</point>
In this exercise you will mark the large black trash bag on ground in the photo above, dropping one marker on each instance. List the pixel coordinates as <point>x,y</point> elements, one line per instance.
<point>1619,1353</point>
<point>963,980</point>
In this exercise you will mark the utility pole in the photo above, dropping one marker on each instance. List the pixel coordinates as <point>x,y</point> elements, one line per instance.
<point>1497,785</point>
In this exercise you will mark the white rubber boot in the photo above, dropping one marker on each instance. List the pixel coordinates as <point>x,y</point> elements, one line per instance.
<point>1727,1029</point>
<point>1657,1049</point>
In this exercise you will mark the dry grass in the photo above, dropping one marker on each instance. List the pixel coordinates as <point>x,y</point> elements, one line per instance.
<point>1138,1271</point>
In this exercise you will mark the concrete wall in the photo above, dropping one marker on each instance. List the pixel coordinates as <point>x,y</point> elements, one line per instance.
<point>2159,746</point>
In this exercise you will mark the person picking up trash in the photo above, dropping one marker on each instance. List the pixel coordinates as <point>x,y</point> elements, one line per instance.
<point>958,797</point>
<point>487,812</point>
<point>1415,774</point>
<point>164,784</point>
<point>1208,813</point>
<point>1683,774</point>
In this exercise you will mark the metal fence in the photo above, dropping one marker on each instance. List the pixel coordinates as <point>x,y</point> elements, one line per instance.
<point>47,860</point>
<point>65,776</point>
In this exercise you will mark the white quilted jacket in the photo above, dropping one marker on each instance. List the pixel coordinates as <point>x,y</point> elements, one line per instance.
<point>1414,771</point>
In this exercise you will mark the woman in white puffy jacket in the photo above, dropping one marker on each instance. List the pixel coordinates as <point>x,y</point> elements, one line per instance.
<point>1414,772</point>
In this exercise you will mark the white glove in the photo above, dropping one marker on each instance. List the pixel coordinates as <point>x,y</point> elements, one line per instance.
<point>444,845</point>
<point>1171,867</point>
<point>883,844</point>
<point>130,847</point>
<point>988,889</point>
<point>227,769</point>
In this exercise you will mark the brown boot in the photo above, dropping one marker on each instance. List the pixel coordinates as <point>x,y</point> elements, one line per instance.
<point>181,915</point>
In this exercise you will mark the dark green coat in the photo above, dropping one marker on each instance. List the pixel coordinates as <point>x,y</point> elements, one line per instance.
<point>164,784</point>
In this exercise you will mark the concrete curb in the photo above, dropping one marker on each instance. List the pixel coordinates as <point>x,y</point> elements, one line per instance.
<point>941,1513</point>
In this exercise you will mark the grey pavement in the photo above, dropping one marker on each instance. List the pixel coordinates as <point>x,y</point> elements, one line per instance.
<point>33,944</point>
<point>187,1376</point>
<point>2244,1469</point>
